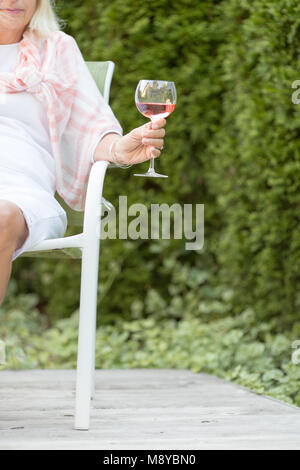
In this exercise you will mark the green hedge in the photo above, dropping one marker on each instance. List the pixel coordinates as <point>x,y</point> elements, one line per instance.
<point>143,40</point>
<point>232,144</point>
<point>255,157</point>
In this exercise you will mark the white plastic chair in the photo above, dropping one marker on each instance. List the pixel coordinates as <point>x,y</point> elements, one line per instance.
<point>86,246</point>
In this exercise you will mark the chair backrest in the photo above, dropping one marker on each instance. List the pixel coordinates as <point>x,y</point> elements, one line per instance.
<point>102,73</point>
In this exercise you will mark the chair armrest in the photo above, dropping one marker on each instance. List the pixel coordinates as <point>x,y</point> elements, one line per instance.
<point>93,199</point>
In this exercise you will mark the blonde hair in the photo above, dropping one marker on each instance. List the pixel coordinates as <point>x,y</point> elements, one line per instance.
<point>45,20</point>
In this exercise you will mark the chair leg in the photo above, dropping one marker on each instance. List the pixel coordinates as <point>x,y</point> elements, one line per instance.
<point>86,334</point>
<point>93,386</point>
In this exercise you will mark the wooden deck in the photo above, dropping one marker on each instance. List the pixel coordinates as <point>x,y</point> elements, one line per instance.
<point>142,409</point>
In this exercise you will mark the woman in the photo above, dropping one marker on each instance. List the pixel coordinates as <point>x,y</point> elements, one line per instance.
<point>54,124</point>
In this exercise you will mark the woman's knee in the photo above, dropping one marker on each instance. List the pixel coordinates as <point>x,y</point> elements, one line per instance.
<point>13,226</point>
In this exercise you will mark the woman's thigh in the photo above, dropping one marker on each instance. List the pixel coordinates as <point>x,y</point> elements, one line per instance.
<point>44,216</point>
<point>13,225</point>
<point>42,229</point>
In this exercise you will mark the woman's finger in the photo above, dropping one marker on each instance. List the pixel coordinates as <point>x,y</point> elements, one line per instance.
<point>159,123</point>
<point>154,152</point>
<point>158,143</point>
<point>154,134</point>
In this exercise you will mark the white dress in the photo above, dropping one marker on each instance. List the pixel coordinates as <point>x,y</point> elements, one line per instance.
<point>27,167</point>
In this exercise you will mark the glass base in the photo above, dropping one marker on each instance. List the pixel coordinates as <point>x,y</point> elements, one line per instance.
<point>151,174</point>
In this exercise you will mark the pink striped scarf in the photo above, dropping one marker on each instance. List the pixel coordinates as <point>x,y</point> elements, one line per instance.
<point>78,115</point>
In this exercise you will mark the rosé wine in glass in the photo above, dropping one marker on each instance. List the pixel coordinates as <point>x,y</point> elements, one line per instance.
<point>159,110</point>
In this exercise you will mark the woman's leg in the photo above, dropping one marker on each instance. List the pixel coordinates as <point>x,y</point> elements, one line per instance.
<point>13,233</point>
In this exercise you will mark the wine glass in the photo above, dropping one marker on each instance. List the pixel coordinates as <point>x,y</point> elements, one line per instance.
<point>155,99</point>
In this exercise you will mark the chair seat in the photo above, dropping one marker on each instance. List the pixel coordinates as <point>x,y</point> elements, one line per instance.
<point>58,253</point>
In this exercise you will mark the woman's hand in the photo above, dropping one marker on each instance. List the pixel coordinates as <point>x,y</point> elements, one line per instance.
<point>141,144</point>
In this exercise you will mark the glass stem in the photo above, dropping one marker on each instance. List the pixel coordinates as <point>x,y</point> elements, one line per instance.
<point>151,168</point>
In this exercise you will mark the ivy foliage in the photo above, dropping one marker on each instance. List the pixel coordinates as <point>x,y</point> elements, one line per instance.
<point>196,330</point>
